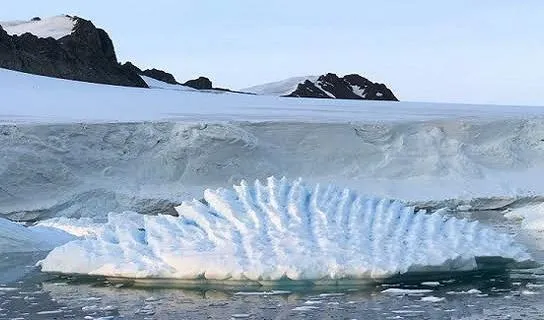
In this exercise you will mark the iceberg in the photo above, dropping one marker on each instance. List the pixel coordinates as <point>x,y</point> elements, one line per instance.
<point>282,230</point>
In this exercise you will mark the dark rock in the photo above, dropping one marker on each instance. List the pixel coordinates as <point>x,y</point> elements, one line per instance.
<point>85,55</point>
<point>352,86</point>
<point>152,73</point>
<point>233,91</point>
<point>308,89</point>
<point>373,91</point>
<point>36,19</point>
<point>160,75</point>
<point>129,66</point>
<point>202,83</point>
<point>338,87</point>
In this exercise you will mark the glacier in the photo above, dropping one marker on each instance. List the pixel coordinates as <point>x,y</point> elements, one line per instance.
<point>282,230</point>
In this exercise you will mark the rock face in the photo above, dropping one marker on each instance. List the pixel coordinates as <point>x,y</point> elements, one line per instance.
<point>87,54</point>
<point>202,83</point>
<point>352,86</point>
<point>152,73</point>
<point>160,75</point>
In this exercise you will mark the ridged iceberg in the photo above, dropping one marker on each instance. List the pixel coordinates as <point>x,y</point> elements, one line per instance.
<point>282,230</point>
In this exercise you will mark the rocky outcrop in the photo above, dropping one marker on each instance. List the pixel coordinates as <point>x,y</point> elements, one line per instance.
<point>156,74</point>
<point>352,86</point>
<point>202,83</point>
<point>160,75</point>
<point>87,54</point>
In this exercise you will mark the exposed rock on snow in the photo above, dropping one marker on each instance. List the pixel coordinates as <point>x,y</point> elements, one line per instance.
<point>201,83</point>
<point>352,86</point>
<point>279,88</point>
<point>156,74</point>
<point>160,75</point>
<point>328,86</point>
<point>283,230</point>
<point>63,47</point>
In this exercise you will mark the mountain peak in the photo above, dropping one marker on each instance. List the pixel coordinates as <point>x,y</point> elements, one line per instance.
<point>327,86</point>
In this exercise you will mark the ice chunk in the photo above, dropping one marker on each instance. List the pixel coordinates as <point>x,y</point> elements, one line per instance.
<point>532,216</point>
<point>15,237</point>
<point>433,299</point>
<point>532,219</point>
<point>282,230</point>
<point>399,291</point>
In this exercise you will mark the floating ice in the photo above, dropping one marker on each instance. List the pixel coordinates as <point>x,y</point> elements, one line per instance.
<point>532,216</point>
<point>282,231</point>
<point>532,220</point>
<point>15,237</point>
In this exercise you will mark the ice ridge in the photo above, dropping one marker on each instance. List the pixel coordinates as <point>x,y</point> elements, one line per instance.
<point>282,230</point>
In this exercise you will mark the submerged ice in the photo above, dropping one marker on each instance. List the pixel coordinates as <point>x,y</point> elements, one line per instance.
<point>281,230</point>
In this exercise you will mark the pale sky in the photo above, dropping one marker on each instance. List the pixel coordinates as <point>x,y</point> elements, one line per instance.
<point>477,51</point>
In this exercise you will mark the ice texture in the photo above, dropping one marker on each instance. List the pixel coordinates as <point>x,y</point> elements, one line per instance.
<point>532,220</point>
<point>282,230</point>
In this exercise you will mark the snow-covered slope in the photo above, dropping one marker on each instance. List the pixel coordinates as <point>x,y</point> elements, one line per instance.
<point>329,86</point>
<point>55,27</point>
<point>282,231</point>
<point>182,142</point>
<point>156,84</point>
<point>279,88</point>
<point>36,99</point>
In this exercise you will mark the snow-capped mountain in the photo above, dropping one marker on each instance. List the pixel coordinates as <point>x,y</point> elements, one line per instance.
<point>63,47</point>
<point>73,48</point>
<point>328,86</point>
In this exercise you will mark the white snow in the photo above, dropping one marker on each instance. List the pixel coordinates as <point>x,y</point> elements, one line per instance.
<point>55,27</point>
<point>281,229</point>
<point>156,84</point>
<point>359,91</point>
<point>279,88</point>
<point>36,99</point>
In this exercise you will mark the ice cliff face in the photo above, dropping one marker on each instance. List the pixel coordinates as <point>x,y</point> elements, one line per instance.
<point>282,230</point>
